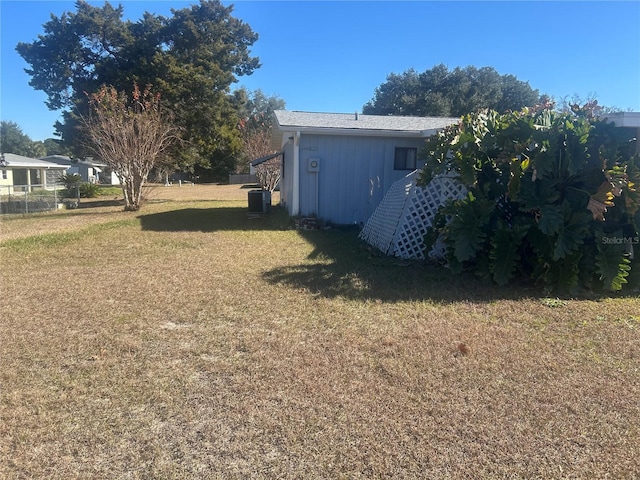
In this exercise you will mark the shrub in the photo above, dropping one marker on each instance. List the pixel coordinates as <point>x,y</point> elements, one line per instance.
<point>74,187</point>
<point>71,182</point>
<point>553,197</point>
<point>89,190</point>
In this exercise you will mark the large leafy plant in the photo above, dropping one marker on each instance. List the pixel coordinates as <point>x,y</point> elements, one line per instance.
<point>552,197</point>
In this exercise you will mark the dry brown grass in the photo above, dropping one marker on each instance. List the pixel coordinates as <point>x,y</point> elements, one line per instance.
<point>96,210</point>
<point>190,341</point>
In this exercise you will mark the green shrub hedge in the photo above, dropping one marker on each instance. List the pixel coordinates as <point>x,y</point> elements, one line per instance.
<point>553,197</point>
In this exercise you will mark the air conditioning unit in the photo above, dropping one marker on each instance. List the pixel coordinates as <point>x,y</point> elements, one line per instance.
<point>259,201</point>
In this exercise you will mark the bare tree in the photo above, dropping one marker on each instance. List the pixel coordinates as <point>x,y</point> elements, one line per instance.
<point>129,134</point>
<point>256,144</point>
<point>588,106</point>
<point>255,132</point>
<point>269,173</point>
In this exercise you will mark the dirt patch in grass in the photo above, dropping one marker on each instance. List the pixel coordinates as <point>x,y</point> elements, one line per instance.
<point>191,341</point>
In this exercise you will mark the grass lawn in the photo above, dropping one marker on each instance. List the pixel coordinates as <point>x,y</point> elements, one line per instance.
<point>189,340</point>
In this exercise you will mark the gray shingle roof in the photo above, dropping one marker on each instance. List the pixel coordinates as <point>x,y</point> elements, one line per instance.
<point>18,161</point>
<point>64,160</point>
<point>317,122</point>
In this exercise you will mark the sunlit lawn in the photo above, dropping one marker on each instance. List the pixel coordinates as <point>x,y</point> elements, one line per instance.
<point>190,340</point>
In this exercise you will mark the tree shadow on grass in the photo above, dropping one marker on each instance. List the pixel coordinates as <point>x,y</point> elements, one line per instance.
<point>341,264</point>
<point>84,203</point>
<point>214,219</point>
<point>345,266</point>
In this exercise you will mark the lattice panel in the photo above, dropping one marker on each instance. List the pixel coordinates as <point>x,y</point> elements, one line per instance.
<point>400,222</point>
<point>381,226</point>
<point>420,209</point>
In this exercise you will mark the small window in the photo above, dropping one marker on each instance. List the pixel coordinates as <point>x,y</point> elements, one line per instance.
<point>3,174</point>
<point>405,158</point>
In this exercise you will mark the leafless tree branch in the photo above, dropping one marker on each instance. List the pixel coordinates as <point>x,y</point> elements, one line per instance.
<point>130,135</point>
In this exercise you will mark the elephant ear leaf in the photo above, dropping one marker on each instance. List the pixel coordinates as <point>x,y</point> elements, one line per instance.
<point>572,232</point>
<point>466,169</point>
<point>633,279</point>
<point>551,219</point>
<point>504,254</point>
<point>612,264</point>
<point>562,276</point>
<point>541,197</point>
<point>467,227</point>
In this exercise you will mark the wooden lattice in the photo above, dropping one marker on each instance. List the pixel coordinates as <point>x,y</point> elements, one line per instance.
<point>402,219</point>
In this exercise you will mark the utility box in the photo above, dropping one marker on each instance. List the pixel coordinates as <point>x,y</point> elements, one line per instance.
<point>314,165</point>
<point>259,201</point>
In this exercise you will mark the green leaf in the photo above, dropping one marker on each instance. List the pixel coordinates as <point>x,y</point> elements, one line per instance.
<point>425,176</point>
<point>586,267</point>
<point>562,277</point>
<point>504,253</point>
<point>540,196</point>
<point>466,169</point>
<point>545,158</point>
<point>433,233</point>
<point>612,264</point>
<point>633,280</point>
<point>483,267</point>
<point>516,167</point>
<point>551,219</point>
<point>572,232</point>
<point>466,227</point>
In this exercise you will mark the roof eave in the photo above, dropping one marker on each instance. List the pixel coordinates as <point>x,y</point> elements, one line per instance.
<point>624,119</point>
<point>360,132</point>
<point>13,166</point>
<point>266,158</point>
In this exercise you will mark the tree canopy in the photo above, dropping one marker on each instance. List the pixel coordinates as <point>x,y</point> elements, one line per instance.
<point>255,125</point>
<point>14,140</point>
<point>440,92</point>
<point>191,59</point>
<point>256,103</point>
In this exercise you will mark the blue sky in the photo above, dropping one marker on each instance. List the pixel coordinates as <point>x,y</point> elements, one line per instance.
<point>330,56</point>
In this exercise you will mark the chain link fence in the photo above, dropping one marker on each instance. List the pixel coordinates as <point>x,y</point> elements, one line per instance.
<point>30,198</point>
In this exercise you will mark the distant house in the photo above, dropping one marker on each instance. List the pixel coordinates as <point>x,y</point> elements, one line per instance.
<point>18,173</point>
<point>90,171</point>
<point>627,120</point>
<point>339,166</point>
